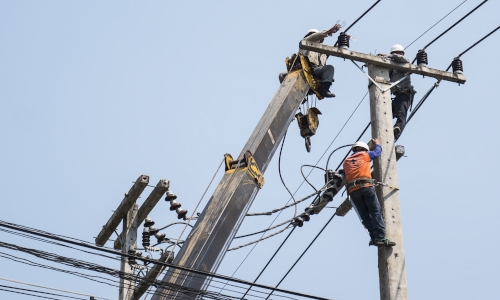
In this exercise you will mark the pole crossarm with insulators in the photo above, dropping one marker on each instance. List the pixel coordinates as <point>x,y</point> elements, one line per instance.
<point>122,210</point>
<point>215,228</point>
<point>148,205</point>
<point>381,61</point>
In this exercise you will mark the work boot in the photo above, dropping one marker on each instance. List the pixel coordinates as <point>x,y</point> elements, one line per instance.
<point>324,90</point>
<point>385,242</point>
<point>371,243</point>
<point>397,132</point>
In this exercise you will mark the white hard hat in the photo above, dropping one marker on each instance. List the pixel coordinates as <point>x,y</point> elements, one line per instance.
<point>361,144</point>
<point>313,31</point>
<point>397,47</point>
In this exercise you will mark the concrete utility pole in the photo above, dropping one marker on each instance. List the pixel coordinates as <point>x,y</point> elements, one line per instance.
<point>130,240</point>
<point>391,260</point>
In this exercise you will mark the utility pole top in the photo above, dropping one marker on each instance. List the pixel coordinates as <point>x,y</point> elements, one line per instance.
<point>382,62</point>
<point>122,210</point>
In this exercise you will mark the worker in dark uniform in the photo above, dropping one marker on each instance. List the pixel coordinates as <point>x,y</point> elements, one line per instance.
<point>403,91</point>
<point>318,61</point>
<point>362,192</point>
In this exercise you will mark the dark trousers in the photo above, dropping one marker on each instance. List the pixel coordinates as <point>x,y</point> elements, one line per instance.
<point>368,208</point>
<point>400,106</point>
<point>325,73</point>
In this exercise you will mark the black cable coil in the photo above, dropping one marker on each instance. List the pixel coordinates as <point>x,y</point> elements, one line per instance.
<point>422,57</point>
<point>457,65</point>
<point>343,40</point>
<point>146,239</point>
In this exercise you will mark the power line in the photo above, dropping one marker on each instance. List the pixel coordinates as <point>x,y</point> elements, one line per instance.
<point>310,244</point>
<point>35,291</point>
<point>362,15</point>
<point>32,295</point>
<point>435,24</point>
<point>147,260</point>
<point>436,84</point>
<point>50,288</point>
<point>456,23</point>
<point>477,42</point>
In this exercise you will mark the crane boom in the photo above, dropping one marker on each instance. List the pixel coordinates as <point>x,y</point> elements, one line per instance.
<point>217,225</point>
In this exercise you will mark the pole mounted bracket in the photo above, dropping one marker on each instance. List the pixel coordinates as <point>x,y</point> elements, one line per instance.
<point>248,164</point>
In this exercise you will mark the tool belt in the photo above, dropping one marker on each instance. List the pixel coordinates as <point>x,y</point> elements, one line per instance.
<point>359,182</point>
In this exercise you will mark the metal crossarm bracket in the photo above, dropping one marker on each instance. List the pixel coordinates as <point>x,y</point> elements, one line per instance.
<point>374,81</point>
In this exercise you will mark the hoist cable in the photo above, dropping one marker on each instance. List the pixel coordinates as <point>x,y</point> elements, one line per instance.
<point>194,210</point>
<point>434,25</point>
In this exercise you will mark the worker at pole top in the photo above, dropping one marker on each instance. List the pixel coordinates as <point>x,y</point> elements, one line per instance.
<point>360,188</point>
<point>403,91</point>
<point>318,61</point>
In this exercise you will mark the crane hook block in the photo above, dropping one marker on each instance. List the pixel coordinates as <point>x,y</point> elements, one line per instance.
<point>309,122</point>
<point>248,164</point>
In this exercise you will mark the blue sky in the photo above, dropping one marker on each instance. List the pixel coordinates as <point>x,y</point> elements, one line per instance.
<point>94,94</point>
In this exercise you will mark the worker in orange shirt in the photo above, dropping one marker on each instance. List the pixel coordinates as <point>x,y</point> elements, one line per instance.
<point>362,192</point>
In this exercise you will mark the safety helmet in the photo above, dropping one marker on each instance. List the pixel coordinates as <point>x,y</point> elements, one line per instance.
<point>397,47</point>
<point>360,144</point>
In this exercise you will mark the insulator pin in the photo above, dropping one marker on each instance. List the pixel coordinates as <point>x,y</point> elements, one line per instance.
<point>422,58</point>
<point>343,40</point>
<point>457,66</point>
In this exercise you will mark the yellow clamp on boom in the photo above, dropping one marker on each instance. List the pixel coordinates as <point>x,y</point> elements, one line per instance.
<point>248,163</point>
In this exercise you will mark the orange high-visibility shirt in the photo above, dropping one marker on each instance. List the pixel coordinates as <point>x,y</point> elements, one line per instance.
<point>358,165</point>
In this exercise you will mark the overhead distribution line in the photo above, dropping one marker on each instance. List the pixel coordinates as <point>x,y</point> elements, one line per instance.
<point>40,292</point>
<point>436,84</point>
<point>295,263</point>
<point>477,43</point>
<point>54,289</point>
<point>362,15</point>
<point>152,261</point>
<point>269,261</point>
<point>434,25</point>
<point>456,23</point>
